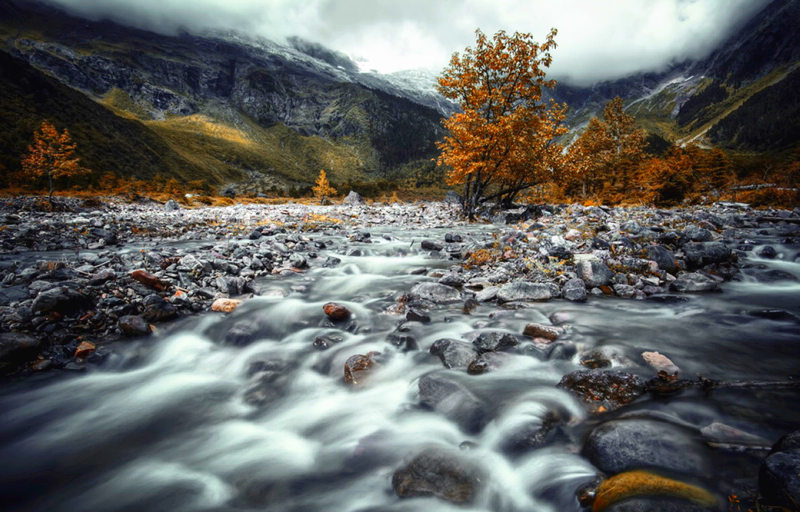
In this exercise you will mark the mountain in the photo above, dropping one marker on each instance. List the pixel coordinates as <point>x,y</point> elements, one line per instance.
<point>225,108</point>
<point>219,107</point>
<point>743,96</point>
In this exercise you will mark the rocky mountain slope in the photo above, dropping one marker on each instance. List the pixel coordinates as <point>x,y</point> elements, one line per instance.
<point>741,97</point>
<point>230,108</point>
<point>225,108</point>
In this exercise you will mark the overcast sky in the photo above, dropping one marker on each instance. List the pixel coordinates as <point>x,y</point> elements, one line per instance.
<point>597,39</point>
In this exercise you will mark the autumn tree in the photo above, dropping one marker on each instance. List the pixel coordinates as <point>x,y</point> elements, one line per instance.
<point>52,155</point>
<point>608,152</point>
<point>502,140</point>
<point>323,189</point>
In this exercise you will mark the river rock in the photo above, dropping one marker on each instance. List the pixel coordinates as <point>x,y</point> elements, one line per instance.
<point>779,475</point>
<point>694,282</point>
<point>494,341</point>
<point>149,280</point>
<point>605,390</point>
<point>133,325</point>
<point>451,399</point>
<point>15,345</point>
<point>537,330</point>
<point>523,291</point>
<point>698,255</point>
<point>574,290</point>
<point>437,293</point>
<point>159,310</point>
<point>336,312</point>
<point>440,473</point>
<point>61,299</point>
<point>84,350</point>
<point>172,205</point>
<point>353,198</point>
<point>594,273</point>
<point>624,445</point>
<point>487,362</point>
<point>663,366</point>
<point>225,305</point>
<point>430,245</point>
<point>418,315</point>
<point>454,353</point>
<point>358,367</point>
<point>664,258</point>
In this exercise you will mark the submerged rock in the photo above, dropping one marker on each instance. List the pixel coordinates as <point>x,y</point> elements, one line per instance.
<point>440,473</point>
<point>454,353</point>
<point>357,368</point>
<point>451,399</point>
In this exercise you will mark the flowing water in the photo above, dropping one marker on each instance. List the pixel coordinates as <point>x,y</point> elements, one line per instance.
<point>163,423</point>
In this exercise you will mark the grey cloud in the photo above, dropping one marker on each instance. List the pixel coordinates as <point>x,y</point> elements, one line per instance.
<point>597,40</point>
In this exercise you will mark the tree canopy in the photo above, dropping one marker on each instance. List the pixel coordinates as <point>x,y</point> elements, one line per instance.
<point>52,155</point>
<point>502,140</point>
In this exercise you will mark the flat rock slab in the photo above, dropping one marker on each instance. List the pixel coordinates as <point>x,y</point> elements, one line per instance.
<point>524,291</point>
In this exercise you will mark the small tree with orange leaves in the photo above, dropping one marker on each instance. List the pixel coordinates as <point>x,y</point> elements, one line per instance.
<point>52,155</point>
<point>606,155</point>
<point>323,188</point>
<point>501,142</point>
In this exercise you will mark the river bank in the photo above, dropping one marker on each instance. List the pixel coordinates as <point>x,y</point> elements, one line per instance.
<point>522,343</point>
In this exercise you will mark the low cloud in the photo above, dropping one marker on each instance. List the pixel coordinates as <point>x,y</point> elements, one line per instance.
<point>596,40</point>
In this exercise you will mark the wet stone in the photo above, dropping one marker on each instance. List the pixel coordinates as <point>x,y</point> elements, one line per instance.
<point>450,398</point>
<point>494,341</point>
<point>693,283</point>
<point>134,325</point>
<point>624,445</point>
<point>574,290</point>
<point>437,293</point>
<point>327,341</point>
<point>537,330</point>
<point>524,291</point>
<point>336,312</point>
<point>594,273</point>
<point>358,367</point>
<point>439,473</point>
<point>454,353</point>
<point>605,390</point>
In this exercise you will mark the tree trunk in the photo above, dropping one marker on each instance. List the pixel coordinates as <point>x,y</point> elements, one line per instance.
<point>50,182</point>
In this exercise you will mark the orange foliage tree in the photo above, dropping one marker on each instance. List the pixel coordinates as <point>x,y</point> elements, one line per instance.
<point>52,155</point>
<point>323,188</point>
<point>606,155</point>
<point>502,140</point>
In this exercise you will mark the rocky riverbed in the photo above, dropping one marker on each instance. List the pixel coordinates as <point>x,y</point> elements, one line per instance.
<point>81,286</point>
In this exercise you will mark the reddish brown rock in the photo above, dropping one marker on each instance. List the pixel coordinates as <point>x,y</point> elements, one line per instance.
<point>336,312</point>
<point>84,350</point>
<point>358,367</point>
<point>225,305</point>
<point>536,330</point>
<point>149,280</point>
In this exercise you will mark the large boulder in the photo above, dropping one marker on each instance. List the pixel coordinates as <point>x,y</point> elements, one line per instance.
<point>629,444</point>
<point>779,475</point>
<point>440,473</point>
